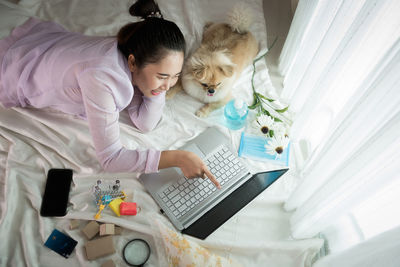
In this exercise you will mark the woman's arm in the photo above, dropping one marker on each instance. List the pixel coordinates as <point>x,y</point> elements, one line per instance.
<point>145,112</point>
<point>190,164</point>
<point>102,115</point>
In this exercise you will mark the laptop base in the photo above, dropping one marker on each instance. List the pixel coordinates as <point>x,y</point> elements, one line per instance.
<point>229,206</point>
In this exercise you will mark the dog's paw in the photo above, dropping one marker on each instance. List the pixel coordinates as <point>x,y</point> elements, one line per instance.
<point>203,112</point>
<point>173,91</point>
<point>169,95</point>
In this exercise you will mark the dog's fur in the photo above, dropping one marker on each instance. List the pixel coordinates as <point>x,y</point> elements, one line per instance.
<point>210,72</point>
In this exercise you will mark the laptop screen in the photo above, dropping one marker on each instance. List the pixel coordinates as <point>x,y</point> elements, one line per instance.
<point>229,206</point>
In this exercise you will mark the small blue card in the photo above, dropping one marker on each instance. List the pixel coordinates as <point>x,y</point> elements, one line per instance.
<point>253,146</point>
<point>61,243</point>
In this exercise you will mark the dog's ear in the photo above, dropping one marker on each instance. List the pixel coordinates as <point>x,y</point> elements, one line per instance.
<point>199,72</point>
<point>198,68</point>
<point>207,25</point>
<point>223,60</point>
<point>226,70</point>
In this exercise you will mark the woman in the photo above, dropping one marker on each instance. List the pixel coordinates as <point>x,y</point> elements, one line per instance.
<point>43,65</point>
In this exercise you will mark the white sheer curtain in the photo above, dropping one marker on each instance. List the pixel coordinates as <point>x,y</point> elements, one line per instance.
<point>341,62</point>
<point>382,250</point>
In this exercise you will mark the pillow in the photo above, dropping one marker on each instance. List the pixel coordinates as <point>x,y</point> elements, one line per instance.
<point>183,252</point>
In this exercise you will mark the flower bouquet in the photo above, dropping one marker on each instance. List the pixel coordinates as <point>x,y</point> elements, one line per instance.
<point>267,137</point>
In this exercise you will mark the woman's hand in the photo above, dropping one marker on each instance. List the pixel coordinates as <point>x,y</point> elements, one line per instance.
<point>190,164</point>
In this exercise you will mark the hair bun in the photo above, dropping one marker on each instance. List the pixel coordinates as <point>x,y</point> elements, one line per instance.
<point>145,9</point>
<point>155,15</point>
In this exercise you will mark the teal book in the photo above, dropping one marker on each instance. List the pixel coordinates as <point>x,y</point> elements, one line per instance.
<point>253,147</point>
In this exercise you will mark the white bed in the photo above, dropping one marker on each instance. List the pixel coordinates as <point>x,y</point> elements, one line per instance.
<point>33,141</point>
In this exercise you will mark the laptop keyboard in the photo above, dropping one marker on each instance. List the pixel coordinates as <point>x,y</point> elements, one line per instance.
<point>186,194</point>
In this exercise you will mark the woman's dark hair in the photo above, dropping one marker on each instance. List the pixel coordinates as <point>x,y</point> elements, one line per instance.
<point>151,39</point>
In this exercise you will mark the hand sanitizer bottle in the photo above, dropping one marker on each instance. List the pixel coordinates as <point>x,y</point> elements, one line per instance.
<point>235,114</point>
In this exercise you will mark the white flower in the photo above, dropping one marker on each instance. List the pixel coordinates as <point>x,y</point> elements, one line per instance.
<point>280,129</point>
<point>276,145</point>
<point>263,124</point>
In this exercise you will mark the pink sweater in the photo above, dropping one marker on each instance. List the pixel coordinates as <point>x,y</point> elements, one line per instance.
<point>43,65</point>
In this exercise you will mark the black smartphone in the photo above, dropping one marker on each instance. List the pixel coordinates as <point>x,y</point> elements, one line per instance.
<point>56,193</point>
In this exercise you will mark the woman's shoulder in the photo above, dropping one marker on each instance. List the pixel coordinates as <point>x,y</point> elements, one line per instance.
<point>103,53</point>
<point>109,65</point>
<point>108,74</point>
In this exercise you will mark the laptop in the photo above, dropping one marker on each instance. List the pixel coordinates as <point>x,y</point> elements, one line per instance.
<point>195,206</point>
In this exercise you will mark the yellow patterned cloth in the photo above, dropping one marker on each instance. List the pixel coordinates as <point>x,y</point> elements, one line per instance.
<point>182,252</point>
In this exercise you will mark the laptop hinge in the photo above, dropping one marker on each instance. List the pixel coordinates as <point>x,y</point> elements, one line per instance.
<point>215,199</point>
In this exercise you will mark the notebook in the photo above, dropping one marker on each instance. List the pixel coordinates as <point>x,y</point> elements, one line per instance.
<point>195,206</point>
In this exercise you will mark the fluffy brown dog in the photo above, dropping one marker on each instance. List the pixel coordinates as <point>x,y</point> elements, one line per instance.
<point>210,72</point>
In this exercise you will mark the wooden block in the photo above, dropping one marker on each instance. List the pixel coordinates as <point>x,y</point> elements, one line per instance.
<point>107,229</point>
<point>108,263</point>
<point>99,247</point>
<point>91,229</point>
<point>73,224</point>
<point>117,230</point>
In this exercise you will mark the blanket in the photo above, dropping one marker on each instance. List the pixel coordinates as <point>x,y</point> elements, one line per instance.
<point>33,141</point>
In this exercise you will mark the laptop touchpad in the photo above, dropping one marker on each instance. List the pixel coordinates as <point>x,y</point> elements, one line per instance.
<point>192,148</point>
<point>195,149</point>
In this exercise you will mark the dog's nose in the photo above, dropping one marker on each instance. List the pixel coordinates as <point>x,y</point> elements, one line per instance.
<point>211,91</point>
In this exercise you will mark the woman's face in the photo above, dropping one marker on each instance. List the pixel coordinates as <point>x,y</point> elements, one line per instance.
<point>156,78</point>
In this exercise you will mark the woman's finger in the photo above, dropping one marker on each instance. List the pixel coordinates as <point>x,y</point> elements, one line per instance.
<point>212,178</point>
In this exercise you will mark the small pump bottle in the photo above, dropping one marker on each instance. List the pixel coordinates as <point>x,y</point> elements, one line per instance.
<point>235,113</point>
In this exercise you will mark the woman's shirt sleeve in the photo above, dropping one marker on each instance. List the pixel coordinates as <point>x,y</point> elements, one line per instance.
<point>145,112</point>
<point>102,115</point>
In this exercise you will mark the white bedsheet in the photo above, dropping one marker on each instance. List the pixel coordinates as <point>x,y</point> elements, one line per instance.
<point>33,141</point>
